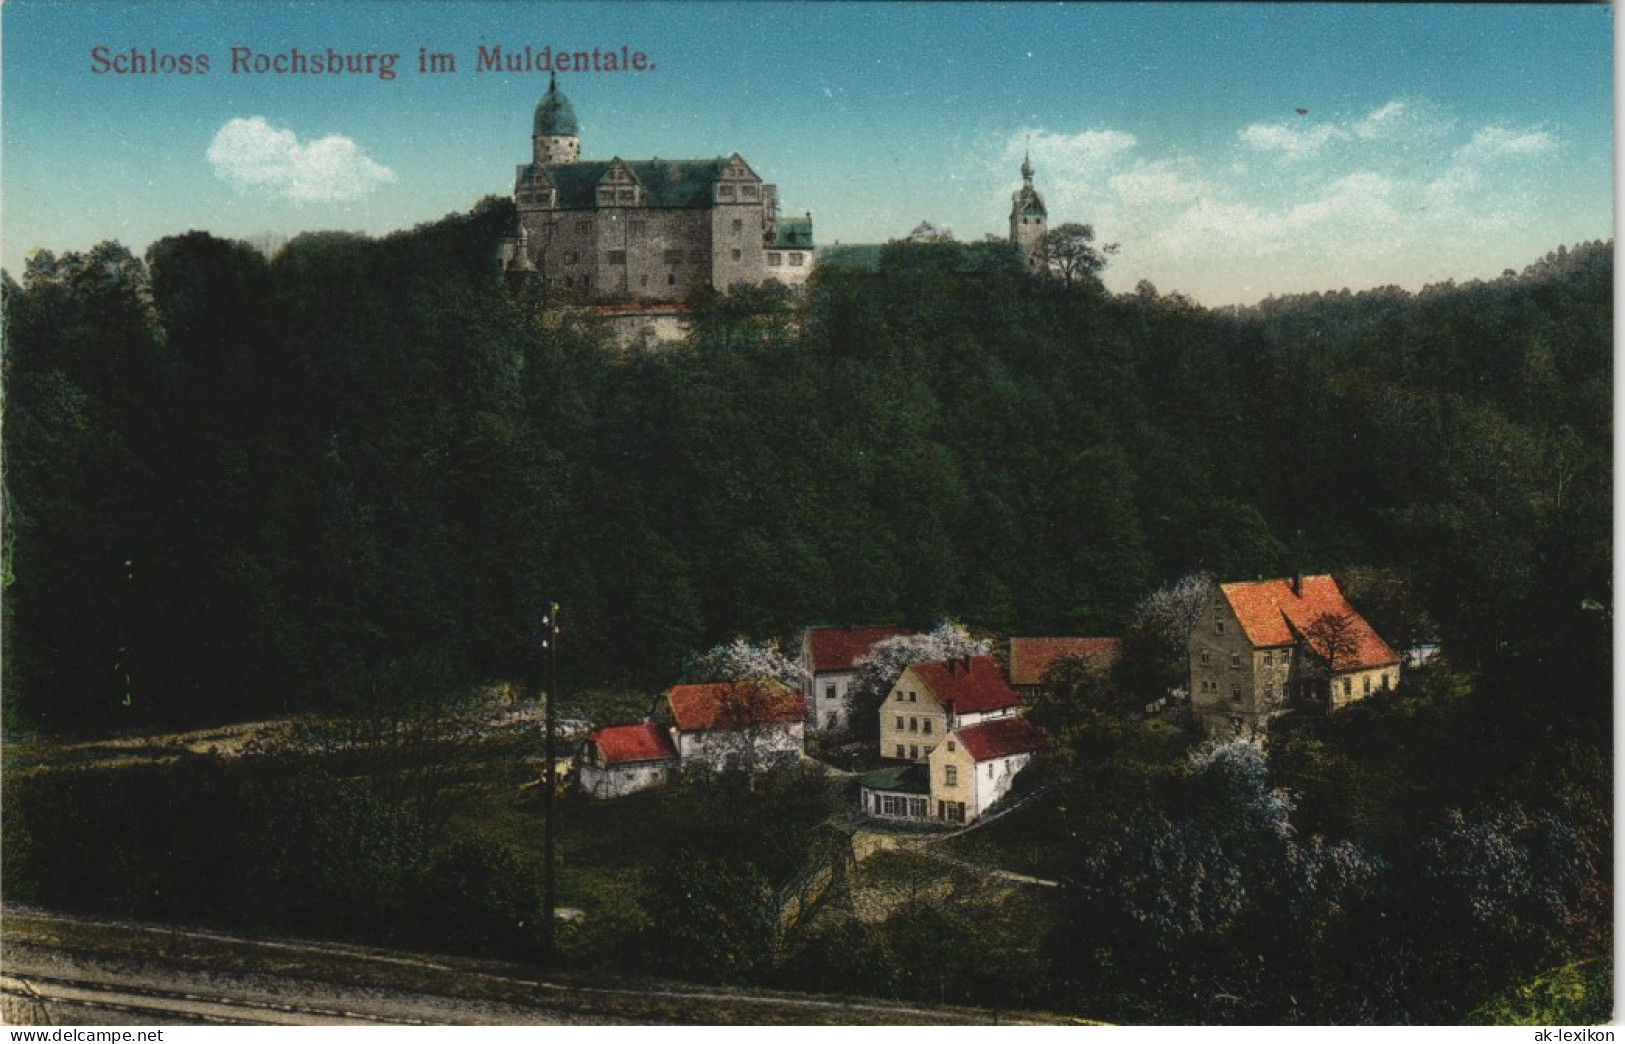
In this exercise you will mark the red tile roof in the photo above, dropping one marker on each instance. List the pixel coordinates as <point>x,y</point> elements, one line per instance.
<point>836,648</point>
<point>624,744</point>
<point>1272,615</point>
<point>729,705</point>
<point>1031,658</point>
<point>967,684</point>
<point>1001,738</point>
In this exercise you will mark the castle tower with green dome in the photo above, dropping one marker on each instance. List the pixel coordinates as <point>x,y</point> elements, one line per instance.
<point>1029,221</point>
<point>556,139</point>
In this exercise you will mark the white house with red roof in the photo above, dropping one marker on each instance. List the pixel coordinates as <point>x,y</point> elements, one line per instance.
<point>829,656</point>
<point>1032,658</point>
<point>976,764</point>
<point>930,700</point>
<point>1260,648</point>
<point>748,724</point>
<point>620,759</point>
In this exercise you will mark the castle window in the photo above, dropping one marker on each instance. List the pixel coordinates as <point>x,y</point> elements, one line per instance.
<point>627,195</point>
<point>737,255</point>
<point>617,257</point>
<point>671,279</point>
<point>748,191</point>
<point>775,259</point>
<point>739,225</point>
<point>673,257</point>
<point>796,259</point>
<point>697,256</point>
<point>643,279</point>
<point>638,228</point>
<point>725,190</point>
<point>606,195</point>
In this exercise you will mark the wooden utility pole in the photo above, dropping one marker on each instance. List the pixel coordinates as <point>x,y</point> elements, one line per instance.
<point>550,643</point>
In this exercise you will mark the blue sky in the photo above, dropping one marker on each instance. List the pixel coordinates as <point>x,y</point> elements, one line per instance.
<point>1435,142</point>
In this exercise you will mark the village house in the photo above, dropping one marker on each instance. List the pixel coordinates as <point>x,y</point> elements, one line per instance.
<point>736,724</point>
<point>1032,658</point>
<point>829,655</point>
<point>930,700</point>
<point>1259,649</point>
<point>960,728</point>
<point>620,759</point>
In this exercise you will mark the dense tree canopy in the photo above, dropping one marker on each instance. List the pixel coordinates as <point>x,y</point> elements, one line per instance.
<point>236,482</point>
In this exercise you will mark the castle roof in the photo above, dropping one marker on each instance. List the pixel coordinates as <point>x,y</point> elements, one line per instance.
<point>555,116</point>
<point>1273,614</point>
<point>793,233</point>
<point>680,184</point>
<point>1031,658</point>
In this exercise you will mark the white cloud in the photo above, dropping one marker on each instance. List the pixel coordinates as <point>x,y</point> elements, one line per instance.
<point>1293,140</point>
<point>1493,142</point>
<point>1150,184</point>
<point>251,153</point>
<point>1086,150</point>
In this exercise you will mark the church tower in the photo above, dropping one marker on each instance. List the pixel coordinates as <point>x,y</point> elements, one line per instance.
<point>556,138</point>
<point>1029,221</point>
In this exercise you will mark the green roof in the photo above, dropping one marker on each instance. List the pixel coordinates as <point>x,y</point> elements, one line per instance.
<point>793,233</point>
<point>666,183</point>
<point>900,779</point>
<point>555,117</point>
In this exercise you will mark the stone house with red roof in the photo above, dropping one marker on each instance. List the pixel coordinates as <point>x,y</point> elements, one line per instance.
<point>930,700</point>
<point>1032,658</point>
<point>976,764</point>
<point>736,724</point>
<point>829,655</point>
<point>620,759</point>
<point>1261,648</point>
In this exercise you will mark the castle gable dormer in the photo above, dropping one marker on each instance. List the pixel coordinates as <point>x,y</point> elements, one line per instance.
<point>737,183</point>
<point>619,187</point>
<point>534,188</point>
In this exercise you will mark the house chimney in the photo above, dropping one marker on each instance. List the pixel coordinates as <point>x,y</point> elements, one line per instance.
<point>1297,585</point>
<point>967,663</point>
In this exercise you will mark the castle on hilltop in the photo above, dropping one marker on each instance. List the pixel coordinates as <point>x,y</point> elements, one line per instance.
<point>642,232</point>
<point>635,238</point>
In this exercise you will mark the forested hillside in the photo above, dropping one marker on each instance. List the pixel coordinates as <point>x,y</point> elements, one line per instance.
<point>239,485</point>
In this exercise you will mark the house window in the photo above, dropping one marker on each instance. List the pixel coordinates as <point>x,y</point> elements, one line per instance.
<point>1348,686</point>
<point>990,770</point>
<point>927,728</point>
<point>832,720</point>
<point>1206,657</point>
<point>1368,685</point>
<point>916,807</point>
<point>627,195</point>
<point>1269,659</point>
<point>914,752</point>
<point>913,696</point>
<point>1235,693</point>
<point>1386,679</point>
<point>829,692</point>
<point>951,745</point>
<point>950,775</point>
<point>914,724</point>
<point>899,723</point>
<point>900,750</point>
<point>1235,661</point>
